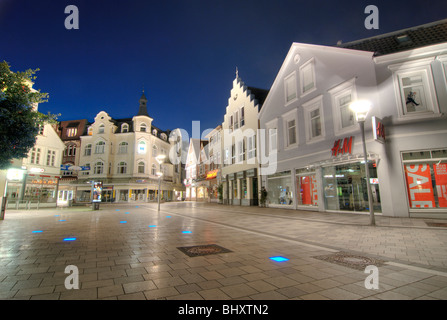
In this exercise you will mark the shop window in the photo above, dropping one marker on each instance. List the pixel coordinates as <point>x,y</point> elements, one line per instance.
<point>307,193</point>
<point>280,189</point>
<point>426,180</point>
<point>141,147</point>
<point>345,187</point>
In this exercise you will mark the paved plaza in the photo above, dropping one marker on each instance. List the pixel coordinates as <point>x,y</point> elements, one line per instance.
<point>133,252</point>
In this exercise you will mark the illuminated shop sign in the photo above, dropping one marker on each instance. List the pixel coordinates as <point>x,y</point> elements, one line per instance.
<point>211,174</point>
<point>342,146</point>
<point>378,129</point>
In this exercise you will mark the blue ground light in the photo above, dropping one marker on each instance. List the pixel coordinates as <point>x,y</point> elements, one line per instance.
<point>36,231</point>
<point>117,210</point>
<point>126,212</point>
<point>62,220</point>
<point>152,226</point>
<point>168,216</point>
<point>186,231</point>
<point>70,239</point>
<point>279,259</point>
<point>123,221</point>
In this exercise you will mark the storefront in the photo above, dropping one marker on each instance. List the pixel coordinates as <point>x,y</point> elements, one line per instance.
<point>307,188</point>
<point>33,190</point>
<point>426,180</point>
<point>345,189</point>
<point>280,189</point>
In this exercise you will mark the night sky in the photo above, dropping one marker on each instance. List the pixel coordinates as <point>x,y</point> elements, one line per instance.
<point>182,52</point>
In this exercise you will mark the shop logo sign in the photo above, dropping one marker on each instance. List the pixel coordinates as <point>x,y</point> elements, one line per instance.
<point>378,129</point>
<point>342,146</point>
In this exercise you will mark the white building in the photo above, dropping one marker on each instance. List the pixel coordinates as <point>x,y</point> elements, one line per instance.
<point>121,153</point>
<point>317,140</point>
<point>239,135</point>
<point>36,179</point>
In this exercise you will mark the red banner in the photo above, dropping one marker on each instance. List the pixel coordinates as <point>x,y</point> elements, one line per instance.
<point>441,183</point>
<point>419,183</point>
<point>305,190</point>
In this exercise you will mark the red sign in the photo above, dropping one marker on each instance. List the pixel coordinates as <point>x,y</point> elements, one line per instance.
<point>441,183</point>
<point>378,129</point>
<point>342,146</point>
<point>420,189</point>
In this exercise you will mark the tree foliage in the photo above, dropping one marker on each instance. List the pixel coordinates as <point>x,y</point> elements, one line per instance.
<point>19,121</point>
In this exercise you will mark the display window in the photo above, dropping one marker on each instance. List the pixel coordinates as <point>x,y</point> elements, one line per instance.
<point>307,193</point>
<point>426,178</point>
<point>345,187</point>
<point>280,189</point>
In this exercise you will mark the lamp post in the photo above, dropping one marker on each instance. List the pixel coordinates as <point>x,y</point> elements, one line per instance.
<point>160,159</point>
<point>361,109</point>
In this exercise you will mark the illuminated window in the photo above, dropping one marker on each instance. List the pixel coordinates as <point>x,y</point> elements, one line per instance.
<point>142,147</point>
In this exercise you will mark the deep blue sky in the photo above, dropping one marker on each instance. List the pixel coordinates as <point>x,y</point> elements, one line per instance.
<point>183,52</point>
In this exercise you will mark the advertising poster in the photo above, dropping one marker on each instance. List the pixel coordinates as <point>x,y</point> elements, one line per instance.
<point>420,188</point>
<point>441,183</point>
<point>97,191</point>
<point>306,196</point>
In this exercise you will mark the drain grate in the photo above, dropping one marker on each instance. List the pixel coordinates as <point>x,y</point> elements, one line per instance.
<point>203,250</point>
<point>350,260</point>
<point>436,224</point>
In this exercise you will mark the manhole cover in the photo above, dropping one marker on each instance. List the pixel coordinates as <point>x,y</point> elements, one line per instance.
<point>203,250</point>
<point>436,224</point>
<point>351,260</point>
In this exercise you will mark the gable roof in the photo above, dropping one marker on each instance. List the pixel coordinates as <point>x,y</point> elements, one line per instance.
<point>402,40</point>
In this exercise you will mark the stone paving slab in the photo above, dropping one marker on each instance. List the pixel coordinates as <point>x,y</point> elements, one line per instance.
<point>125,252</point>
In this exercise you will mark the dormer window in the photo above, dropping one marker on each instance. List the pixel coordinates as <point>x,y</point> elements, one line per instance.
<point>101,128</point>
<point>124,128</point>
<point>164,136</point>
<point>143,127</point>
<point>154,132</point>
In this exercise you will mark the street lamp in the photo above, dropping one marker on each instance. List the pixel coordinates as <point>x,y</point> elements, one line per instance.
<point>160,159</point>
<point>361,109</point>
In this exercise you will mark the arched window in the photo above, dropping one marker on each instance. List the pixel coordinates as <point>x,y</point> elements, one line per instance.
<point>88,150</point>
<point>123,147</point>
<point>124,128</point>
<point>99,167</point>
<point>141,147</point>
<point>99,148</point>
<point>154,150</point>
<point>143,127</point>
<point>101,128</point>
<point>154,170</point>
<point>122,167</point>
<point>141,167</point>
